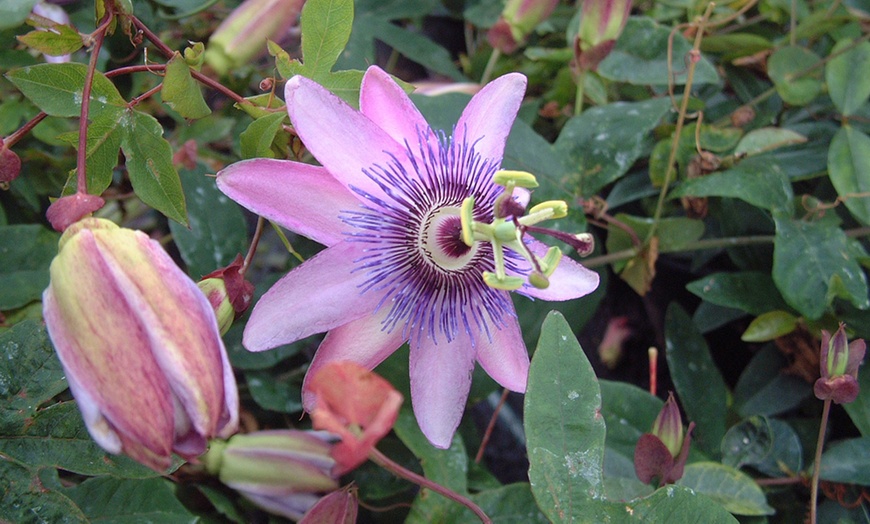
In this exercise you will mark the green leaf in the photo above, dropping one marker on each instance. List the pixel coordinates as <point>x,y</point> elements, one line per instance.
<point>628,412</point>
<point>735,491</point>
<point>604,141</point>
<point>149,163</point>
<point>848,76</point>
<point>749,291</point>
<point>326,26</point>
<point>641,56</point>
<point>769,326</point>
<point>60,40</point>
<point>217,231</point>
<point>180,91</point>
<point>758,180</point>
<point>786,451</point>
<point>26,251</point>
<point>767,139</point>
<point>414,46</point>
<point>507,504</point>
<point>812,263</point>
<point>859,409</point>
<point>30,373</point>
<point>26,499</point>
<point>13,13</point>
<point>847,461</point>
<point>679,505</point>
<point>105,133</point>
<point>273,392</point>
<point>764,388</point>
<point>564,430</point>
<point>701,388</point>
<point>783,67</point>
<point>107,499</point>
<point>57,88</point>
<point>747,442</point>
<point>256,140</point>
<point>735,45</point>
<point>56,437</point>
<point>849,170</point>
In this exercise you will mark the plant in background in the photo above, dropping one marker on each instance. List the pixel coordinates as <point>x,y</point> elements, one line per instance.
<point>388,203</point>
<point>139,344</point>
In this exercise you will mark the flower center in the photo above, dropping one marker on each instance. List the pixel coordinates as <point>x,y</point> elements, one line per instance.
<point>441,240</point>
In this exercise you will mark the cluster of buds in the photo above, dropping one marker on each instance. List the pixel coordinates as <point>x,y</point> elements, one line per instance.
<point>242,36</point>
<point>662,453</point>
<point>517,21</point>
<point>839,364</point>
<point>601,23</point>
<point>139,344</point>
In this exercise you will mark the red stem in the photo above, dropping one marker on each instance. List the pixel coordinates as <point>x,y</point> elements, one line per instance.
<point>81,157</point>
<point>382,460</point>
<point>491,426</point>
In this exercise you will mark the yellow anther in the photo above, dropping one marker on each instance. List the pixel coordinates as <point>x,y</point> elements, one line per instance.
<point>466,215</point>
<point>559,208</point>
<point>506,283</point>
<point>515,178</point>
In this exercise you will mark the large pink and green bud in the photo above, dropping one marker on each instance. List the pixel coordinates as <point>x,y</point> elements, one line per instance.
<point>518,19</point>
<point>243,35</point>
<point>283,471</point>
<point>839,362</point>
<point>139,344</point>
<point>601,23</point>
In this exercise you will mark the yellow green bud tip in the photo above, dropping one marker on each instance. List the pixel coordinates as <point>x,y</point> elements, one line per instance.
<point>558,207</point>
<point>85,223</point>
<point>507,283</point>
<point>466,214</point>
<point>515,178</point>
<point>539,280</point>
<point>551,260</point>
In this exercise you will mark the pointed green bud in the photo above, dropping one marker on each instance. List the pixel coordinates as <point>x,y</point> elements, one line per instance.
<point>515,178</point>
<point>668,426</point>
<point>506,283</point>
<point>559,208</point>
<point>215,291</point>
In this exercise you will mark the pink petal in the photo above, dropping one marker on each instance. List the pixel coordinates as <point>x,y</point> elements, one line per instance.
<point>301,197</point>
<point>505,359</point>
<point>570,280</point>
<point>362,341</point>
<point>317,296</point>
<point>387,105</point>
<point>440,381</point>
<point>488,118</point>
<point>345,141</point>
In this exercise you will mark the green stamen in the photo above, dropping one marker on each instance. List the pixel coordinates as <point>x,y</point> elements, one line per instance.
<point>466,214</point>
<point>515,179</point>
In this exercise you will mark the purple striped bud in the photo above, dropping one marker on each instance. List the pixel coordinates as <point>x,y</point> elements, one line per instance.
<point>242,36</point>
<point>517,21</point>
<point>139,344</point>
<point>282,471</point>
<point>839,362</point>
<point>601,23</point>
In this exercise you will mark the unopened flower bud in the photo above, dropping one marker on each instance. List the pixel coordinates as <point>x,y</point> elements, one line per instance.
<point>242,36</point>
<point>601,23</point>
<point>10,165</point>
<point>662,454</point>
<point>668,426</point>
<point>228,292</point>
<point>339,507</point>
<point>839,362</point>
<point>139,344</point>
<point>282,471</point>
<point>517,21</point>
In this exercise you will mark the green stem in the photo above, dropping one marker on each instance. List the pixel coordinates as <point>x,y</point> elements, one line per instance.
<point>383,461</point>
<point>490,65</point>
<point>286,242</point>
<point>681,119</point>
<point>814,487</point>
<point>581,86</point>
